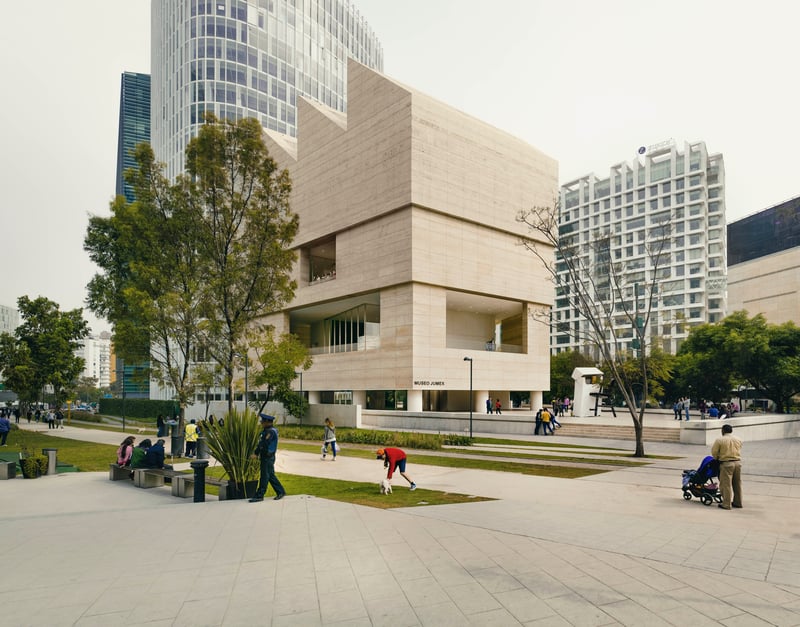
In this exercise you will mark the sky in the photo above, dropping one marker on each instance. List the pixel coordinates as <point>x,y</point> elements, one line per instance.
<point>585,82</point>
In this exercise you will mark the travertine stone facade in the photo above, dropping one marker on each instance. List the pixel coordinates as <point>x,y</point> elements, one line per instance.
<point>768,285</point>
<point>409,207</point>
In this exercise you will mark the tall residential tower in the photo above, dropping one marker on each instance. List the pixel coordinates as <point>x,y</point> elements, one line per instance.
<point>666,185</point>
<point>134,125</point>
<point>248,58</point>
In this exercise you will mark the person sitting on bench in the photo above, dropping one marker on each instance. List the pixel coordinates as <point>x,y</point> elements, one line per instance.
<point>154,458</point>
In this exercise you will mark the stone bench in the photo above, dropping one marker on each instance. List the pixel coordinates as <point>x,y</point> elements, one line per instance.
<point>8,470</point>
<point>153,477</point>
<point>118,473</point>
<point>183,486</point>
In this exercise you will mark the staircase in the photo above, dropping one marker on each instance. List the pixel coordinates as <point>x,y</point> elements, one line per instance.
<point>619,432</point>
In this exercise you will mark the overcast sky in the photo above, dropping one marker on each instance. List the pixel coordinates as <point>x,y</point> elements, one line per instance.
<point>586,82</point>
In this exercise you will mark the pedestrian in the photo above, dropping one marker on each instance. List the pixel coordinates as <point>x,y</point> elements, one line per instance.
<point>265,450</point>
<point>554,423</point>
<point>546,421</point>
<point>160,426</point>
<point>125,451</point>
<point>727,450</point>
<point>567,405</point>
<point>191,438</point>
<point>687,403</point>
<point>538,422</point>
<point>395,458</point>
<point>677,408</point>
<point>5,427</point>
<point>59,419</point>
<point>701,406</point>
<point>489,405</point>
<point>51,419</point>
<point>498,407</point>
<point>329,438</point>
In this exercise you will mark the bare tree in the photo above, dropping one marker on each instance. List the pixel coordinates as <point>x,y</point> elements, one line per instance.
<point>614,301</point>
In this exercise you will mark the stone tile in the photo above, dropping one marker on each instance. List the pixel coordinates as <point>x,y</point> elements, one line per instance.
<point>472,598</point>
<point>391,612</point>
<point>441,615</point>
<point>524,605</point>
<point>423,592</point>
<point>578,611</point>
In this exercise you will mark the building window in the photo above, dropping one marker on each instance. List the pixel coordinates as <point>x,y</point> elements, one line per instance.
<point>322,261</point>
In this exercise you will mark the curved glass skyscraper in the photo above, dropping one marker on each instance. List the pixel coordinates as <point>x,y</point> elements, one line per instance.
<point>248,58</point>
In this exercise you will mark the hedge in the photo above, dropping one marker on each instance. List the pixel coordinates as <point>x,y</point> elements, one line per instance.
<point>137,407</point>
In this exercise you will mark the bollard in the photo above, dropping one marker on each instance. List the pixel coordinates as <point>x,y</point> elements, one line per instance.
<point>51,454</point>
<point>199,467</point>
<point>202,448</point>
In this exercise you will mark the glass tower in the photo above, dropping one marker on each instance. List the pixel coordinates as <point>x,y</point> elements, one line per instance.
<point>248,58</point>
<point>134,124</point>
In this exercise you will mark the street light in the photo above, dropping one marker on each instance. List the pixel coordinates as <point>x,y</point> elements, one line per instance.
<point>469,359</point>
<point>302,403</point>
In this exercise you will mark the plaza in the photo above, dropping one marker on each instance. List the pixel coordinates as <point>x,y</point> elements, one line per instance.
<point>619,548</point>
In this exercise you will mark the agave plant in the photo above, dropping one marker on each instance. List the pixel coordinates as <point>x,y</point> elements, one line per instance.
<point>233,444</point>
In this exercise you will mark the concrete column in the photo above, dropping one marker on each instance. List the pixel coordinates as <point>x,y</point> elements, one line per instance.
<point>536,400</point>
<point>414,400</point>
<point>313,398</point>
<point>479,401</point>
<point>360,397</point>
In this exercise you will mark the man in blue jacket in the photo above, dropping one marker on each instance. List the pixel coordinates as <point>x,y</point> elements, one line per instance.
<point>265,451</point>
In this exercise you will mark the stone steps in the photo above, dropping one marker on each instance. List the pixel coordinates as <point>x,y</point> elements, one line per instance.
<point>619,432</point>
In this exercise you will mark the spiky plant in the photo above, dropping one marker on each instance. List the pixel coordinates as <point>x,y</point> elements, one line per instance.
<point>233,444</point>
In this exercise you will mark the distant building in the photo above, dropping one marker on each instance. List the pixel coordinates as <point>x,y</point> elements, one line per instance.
<point>134,125</point>
<point>96,352</point>
<point>764,263</point>
<point>9,319</point>
<point>240,59</point>
<point>684,187</point>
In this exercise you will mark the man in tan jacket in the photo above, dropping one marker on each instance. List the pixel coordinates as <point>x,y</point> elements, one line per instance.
<point>727,450</point>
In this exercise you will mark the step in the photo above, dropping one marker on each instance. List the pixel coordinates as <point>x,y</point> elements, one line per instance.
<point>619,432</point>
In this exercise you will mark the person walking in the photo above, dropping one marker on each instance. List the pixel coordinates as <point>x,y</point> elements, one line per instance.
<point>329,438</point>
<point>687,403</point>
<point>546,417</point>
<point>489,405</point>
<point>5,427</point>
<point>265,450</point>
<point>395,458</point>
<point>498,407</point>
<point>191,438</point>
<point>161,426</point>
<point>727,450</point>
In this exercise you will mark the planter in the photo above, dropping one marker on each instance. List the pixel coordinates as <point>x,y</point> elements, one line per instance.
<point>239,491</point>
<point>33,466</point>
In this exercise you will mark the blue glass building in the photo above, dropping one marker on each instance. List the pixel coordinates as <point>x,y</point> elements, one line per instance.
<point>134,124</point>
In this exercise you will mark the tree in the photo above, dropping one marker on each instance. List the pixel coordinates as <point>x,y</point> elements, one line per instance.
<point>741,349</point>
<point>41,352</point>
<point>562,365</point>
<point>150,287</point>
<point>605,293</point>
<point>277,362</point>
<point>239,202</point>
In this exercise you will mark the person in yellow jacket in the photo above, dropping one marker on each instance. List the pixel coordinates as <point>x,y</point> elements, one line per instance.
<point>546,426</point>
<point>191,438</point>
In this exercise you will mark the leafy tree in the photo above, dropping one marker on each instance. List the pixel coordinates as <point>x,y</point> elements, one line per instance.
<point>239,201</point>
<point>562,366</point>
<point>41,351</point>
<point>615,303</point>
<point>277,361</point>
<point>151,285</point>
<point>659,367</point>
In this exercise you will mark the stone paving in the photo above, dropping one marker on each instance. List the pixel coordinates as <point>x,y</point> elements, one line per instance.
<point>619,548</point>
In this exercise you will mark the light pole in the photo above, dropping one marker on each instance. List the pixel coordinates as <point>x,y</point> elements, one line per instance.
<point>302,400</point>
<point>469,359</point>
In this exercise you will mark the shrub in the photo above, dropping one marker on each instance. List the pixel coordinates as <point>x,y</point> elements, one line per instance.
<point>233,444</point>
<point>425,441</point>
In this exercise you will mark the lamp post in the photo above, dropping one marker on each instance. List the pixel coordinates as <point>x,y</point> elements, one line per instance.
<point>469,359</point>
<point>302,400</point>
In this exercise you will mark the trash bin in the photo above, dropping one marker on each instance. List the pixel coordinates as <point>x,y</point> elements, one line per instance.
<point>51,454</point>
<point>177,445</point>
<point>202,448</point>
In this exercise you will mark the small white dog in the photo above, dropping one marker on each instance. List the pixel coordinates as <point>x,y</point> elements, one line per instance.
<point>386,487</point>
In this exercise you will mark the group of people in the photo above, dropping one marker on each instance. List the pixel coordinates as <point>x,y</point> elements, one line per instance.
<point>561,406</point>
<point>546,420</point>
<point>495,406</point>
<point>717,411</point>
<point>144,455</point>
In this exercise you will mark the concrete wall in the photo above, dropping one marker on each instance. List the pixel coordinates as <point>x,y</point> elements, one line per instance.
<point>749,428</point>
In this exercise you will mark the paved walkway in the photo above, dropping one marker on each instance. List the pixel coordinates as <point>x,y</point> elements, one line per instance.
<point>620,548</point>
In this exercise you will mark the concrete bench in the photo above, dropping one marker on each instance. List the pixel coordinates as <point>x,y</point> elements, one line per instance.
<point>183,486</point>
<point>153,477</point>
<point>118,473</point>
<point>8,470</point>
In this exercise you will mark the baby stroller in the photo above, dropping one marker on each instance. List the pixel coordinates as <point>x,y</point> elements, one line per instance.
<point>698,482</point>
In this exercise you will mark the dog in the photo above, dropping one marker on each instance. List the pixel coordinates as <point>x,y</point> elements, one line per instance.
<point>386,487</point>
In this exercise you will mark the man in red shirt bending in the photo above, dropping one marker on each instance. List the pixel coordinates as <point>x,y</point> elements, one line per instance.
<point>395,458</point>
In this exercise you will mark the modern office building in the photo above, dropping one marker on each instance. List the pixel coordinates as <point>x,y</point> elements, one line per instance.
<point>134,125</point>
<point>9,319</point>
<point>411,279</point>
<point>248,58</point>
<point>764,263</point>
<point>682,187</point>
<point>96,353</point>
